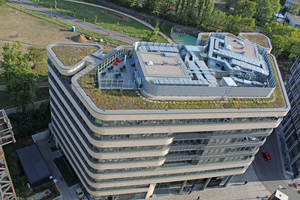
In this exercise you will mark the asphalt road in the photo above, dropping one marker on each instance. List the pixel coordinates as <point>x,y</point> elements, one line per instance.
<point>271,173</point>
<point>75,22</point>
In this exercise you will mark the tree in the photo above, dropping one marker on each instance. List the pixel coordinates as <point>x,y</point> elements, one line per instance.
<point>18,77</point>
<point>205,9</point>
<point>55,3</point>
<point>264,12</point>
<point>149,36</point>
<point>165,7</point>
<point>246,8</point>
<point>152,6</point>
<point>294,9</point>
<point>275,5</point>
<point>285,40</point>
<point>36,55</point>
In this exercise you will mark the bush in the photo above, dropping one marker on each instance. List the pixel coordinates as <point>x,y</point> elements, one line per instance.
<point>26,124</point>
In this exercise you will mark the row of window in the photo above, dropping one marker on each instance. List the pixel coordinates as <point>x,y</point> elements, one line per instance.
<point>138,136</point>
<point>190,153</point>
<point>184,121</point>
<point>166,175</point>
<point>128,159</point>
<point>125,169</point>
<point>205,161</point>
<point>136,148</point>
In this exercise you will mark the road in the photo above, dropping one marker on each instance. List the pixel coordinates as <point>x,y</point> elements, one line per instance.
<point>271,173</point>
<point>75,22</point>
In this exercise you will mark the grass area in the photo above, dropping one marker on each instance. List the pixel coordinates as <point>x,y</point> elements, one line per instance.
<point>69,55</point>
<point>65,171</point>
<point>18,177</point>
<point>63,27</point>
<point>43,77</point>
<point>105,19</point>
<point>43,33</point>
<point>258,39</point>
<point>129,100</point>
<point>41,93</point>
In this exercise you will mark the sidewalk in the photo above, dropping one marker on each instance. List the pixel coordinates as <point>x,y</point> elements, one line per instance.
<point>236,190</point>
<point>49,156</point>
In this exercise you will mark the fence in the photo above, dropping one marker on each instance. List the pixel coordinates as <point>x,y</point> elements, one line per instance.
<point>118,84</point>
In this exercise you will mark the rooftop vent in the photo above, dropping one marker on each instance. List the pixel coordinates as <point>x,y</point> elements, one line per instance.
<point>165,62</point>
<point>149,63</point>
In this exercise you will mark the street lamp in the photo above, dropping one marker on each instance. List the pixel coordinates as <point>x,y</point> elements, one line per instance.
<point>55,181</point>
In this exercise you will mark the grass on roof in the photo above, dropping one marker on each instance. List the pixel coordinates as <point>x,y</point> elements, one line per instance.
<point>130,100</point>
<point>69,55</point>
<point>258,39</point>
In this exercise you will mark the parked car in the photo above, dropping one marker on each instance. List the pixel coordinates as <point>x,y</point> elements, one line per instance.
<point>266,156</point>
<point>79,193</point>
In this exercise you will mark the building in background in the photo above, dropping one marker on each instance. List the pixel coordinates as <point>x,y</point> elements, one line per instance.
<point>291,123</point>
<point>154,118</point>
<point>6,136</point>
<point>290,3</point>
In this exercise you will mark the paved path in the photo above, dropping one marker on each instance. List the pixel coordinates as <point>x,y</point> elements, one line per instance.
<point>236,190</point>
<point>49,156</point>
<point>75,22</point>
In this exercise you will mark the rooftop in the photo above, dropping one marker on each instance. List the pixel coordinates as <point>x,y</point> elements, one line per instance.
<point>157,76</point>
<point>157,67</point>
<point>132,100</point>
<point>294,18</point>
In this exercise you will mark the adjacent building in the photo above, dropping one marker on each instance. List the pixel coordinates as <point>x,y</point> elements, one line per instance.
<point>293,20</point>
<point>291,123</point>
<point>154,118</point>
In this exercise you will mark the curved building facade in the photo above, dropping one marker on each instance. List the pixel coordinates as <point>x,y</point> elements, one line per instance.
<point>124,143</point>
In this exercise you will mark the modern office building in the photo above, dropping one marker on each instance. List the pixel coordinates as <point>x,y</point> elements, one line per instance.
<point>154,118</point>
<point>291,123</point>
<point>6,137</point>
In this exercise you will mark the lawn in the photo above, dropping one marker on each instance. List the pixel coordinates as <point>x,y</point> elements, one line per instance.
<point>43,33</point>
<point>47,29</point>
<point>105,19</point>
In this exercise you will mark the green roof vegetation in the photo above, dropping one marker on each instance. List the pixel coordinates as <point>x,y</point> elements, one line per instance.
<point>257,38</point>
<point>132,100</point>
<point>69,55</point>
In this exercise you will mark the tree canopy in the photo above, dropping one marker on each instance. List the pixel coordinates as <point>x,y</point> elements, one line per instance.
<point>20,80</point>
<point>36,54</point>
<point>285,40</point>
